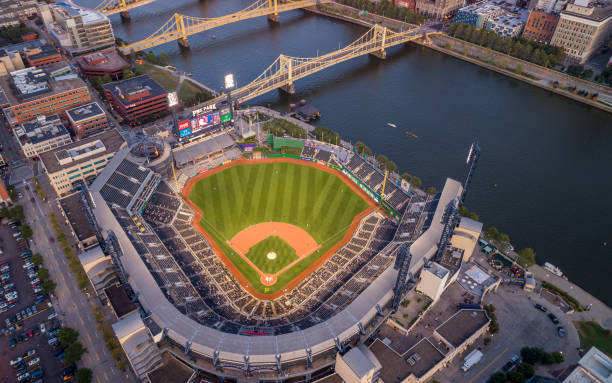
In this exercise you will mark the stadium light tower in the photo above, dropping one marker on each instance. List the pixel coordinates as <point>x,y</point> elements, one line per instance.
<point>229,85</point>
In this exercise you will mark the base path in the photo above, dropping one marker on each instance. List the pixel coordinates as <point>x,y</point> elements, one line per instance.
<point>296,237</point>
<point>295,281</point>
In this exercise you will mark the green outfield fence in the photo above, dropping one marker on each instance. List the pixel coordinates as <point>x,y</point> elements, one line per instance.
<point>278,142</point>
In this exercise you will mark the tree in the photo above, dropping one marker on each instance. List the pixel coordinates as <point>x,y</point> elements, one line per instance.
<point>367,151</point>
<point>432,190</point>
<point>416,182</point>
<point>48,286</point>
<point>557,357</point>
<point>492,232</point>
<point>526,370</point>
<point>526,257</point>
<point>67,335</point>
<point>106,79</point>
<point>5,212</point>
<point>498,377</point>
<point>26,231</point>
<point>42,274</point>
<point>515,377</point>
<point>84,375</point>
<point>504,240</point>
<point>16,213</point>
<point>532,355</point>
<point>73,353</point>
<point>407,177</point>
<point>36,259</point>
<point>359,146</point>
<point>381,159</point>
<point>575,70</point>
<point>587,74</point>
<point>391,166</point>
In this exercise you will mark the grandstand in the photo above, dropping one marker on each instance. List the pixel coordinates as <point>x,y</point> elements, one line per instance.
<point>190,295</point>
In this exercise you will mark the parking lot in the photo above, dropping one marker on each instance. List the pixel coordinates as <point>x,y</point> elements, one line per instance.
<point>24,343</point>
<point>520,325</point>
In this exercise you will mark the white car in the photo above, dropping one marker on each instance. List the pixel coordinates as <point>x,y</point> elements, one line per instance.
<point>30,353</point>
<point>42,328</point>
<point>33,362</point>
<point>16,361</point>
<point>51,316</point>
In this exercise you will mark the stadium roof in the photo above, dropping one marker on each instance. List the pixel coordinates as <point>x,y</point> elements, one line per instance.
<point>232,347</point>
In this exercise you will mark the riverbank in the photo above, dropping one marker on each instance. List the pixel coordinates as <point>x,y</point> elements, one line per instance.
<point>599,96</point>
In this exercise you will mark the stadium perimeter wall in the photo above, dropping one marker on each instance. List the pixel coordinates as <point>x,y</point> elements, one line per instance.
<point>300,277</point>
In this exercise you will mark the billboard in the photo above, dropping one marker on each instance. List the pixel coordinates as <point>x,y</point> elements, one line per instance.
<point>203,122</point>
<point>185,132</point>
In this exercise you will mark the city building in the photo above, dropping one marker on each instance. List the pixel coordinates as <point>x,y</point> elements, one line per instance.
<point>593,367</point>
<point>477,14</point>
<point>5,198</point>
<point>33,92</point>
<point>78,30</point>
<point>550,6</point>
<point>136,98</point>
<point>104,63</point>
<point>465,236</point>
<point>10,61</point>
<point>438,9</point>
<point>13,12</point>
<point>506,26</point>
<point>46,54</point>
<point>358,365</point>
<point>410,4</point>
<point>540,26</point>
<point>119,301</point>
<point>80,161</point>
<point>76,218</point>
<point>42,134</point>
<point>99,268</point>
<point>87,119</point>
<point>583,28</point>
<point>138,345</point>
<point>433,280</point>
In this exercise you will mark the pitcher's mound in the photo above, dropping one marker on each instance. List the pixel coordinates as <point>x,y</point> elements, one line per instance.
<point>271,255</point>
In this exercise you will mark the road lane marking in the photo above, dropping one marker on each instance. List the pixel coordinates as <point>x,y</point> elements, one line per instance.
<point>98,379</point>
<point>62,294</point>
<point>488,365</point>
<point>105,376</point>
<point>89,337</point>
<point>56,263</point>
<point>98,357</point>
<point>83,323</point>
<point>63,279</point>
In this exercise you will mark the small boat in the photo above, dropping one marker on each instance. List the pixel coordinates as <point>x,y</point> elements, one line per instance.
<point>213,36</point>
<point>391,125</point>
<point>411,134</point>
<point>553,269</point>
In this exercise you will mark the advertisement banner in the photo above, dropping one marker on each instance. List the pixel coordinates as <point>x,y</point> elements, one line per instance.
<point>183,125</point>
<point>405,186</point>
<point>226,117</point>
<point>185,132</point>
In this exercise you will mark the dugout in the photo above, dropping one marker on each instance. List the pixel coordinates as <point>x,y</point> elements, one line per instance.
<point>278,142</point>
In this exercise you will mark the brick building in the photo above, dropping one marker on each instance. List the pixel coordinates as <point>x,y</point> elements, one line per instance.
<point>137,98</point>
<point>438,9</point>
<point>87,119</point>
<point>33,92</point>
<point>43,55</point>
<point>107,62</point>
<point>540,26</point>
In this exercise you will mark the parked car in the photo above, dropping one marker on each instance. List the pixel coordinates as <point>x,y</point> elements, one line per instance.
<point>541,308</point>
<point>42,328</point>
<point>52,341</point>
<point>561,331</point>
<point>29,353</point>
<point>15,361</point>
<point>33,362</point>
<point>553,318</point>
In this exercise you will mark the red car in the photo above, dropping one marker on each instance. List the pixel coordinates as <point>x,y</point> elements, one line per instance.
<point>51,239</point>
<point>30,334</point>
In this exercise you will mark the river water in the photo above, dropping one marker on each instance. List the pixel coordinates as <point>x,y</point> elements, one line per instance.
<point>545,174</point>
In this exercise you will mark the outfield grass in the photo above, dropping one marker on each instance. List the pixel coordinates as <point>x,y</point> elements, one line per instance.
<point>592,334</point>
<point>247,194</point>
<point>285,254</point>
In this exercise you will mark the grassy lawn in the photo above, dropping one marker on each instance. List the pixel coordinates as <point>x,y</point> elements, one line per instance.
<point>189,90</point>
<point>244,195</point>
<point>284,254</point>
<point>592,334</point>
<point>164,78</point>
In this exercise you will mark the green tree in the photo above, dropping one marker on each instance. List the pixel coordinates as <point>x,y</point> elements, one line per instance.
<point>382,160</point>
<point>532,355</point>
<point>73,353</point>
<point>36,259</point>
<point>16,213</point>
<point>4,212</point>
<point>557,357</point>
<point>367,151</point>
<point>359,146</point>
<point>67,335</point>
<point>587,74</point>
<point>526,257</point>
<point>492,232</point>
<point>42,274</point>
<point>48,286</point>
<point>432,190</point>
<point>416,182</point>
<point>84,375</point>
<point>498,377</point>
<point>391,166</point>
<point>504,240</point>
<point>106,79</point>
<point>526,370</point>
<point>515,377</point>
<point>26,231</point>
<point>406,177</point>
<point>575,70</point>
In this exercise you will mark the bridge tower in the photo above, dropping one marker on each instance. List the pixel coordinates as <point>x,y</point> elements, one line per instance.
<point>181,30</point>
<point>380,33</point>
<point>273,17</point>
<point>287,67</point>
<point>125,15</point>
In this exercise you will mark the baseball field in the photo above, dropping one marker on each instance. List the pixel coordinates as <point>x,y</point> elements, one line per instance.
<point>274,221</point>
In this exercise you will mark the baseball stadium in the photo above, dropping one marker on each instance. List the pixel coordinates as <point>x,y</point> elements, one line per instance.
<point>268,266</point>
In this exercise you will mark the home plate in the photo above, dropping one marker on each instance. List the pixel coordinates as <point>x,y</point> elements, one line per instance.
<point>268,279</point>
<point>271,255</point>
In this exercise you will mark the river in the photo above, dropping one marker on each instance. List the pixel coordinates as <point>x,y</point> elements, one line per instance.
<point>545,174</point>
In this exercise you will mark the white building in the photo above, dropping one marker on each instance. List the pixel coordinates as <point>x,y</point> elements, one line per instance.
<point>506,26</point>
<point>465,236</point>
<point>594,367</point>
<point>358,365</point>
<point>137,343</point>
<point>78,30</point>
<point>433,280</point>
<point>41,135</point>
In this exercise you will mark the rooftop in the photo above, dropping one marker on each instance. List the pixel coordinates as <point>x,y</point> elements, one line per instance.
<point>470,224</point>
<point>462,325</point>
<point>40,129</point>
<point>84,112</point>
<point>419,359</point>
<point>69,10</point>
<point>596,10</point>
<point>437,270</point>
<point>80,151</point>
<point>108,59</point>
<point>482,8</point>
<point>40,52</point>
<point>20,47</point>
<point>173,370</point>
<point>30,83</point>
<point>73,209</point>
<point>119,300</point>
<point>135,89</point>
<point>361,361</point>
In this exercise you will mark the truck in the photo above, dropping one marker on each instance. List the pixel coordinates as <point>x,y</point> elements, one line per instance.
<point>470,360</point>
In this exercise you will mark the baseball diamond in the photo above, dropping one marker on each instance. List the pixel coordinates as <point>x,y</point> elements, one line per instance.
<point>275,220</point>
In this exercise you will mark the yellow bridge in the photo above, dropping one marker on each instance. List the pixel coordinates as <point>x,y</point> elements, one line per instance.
<point>285,69</point>
<point>181,26</point>
<point>111,7</point>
